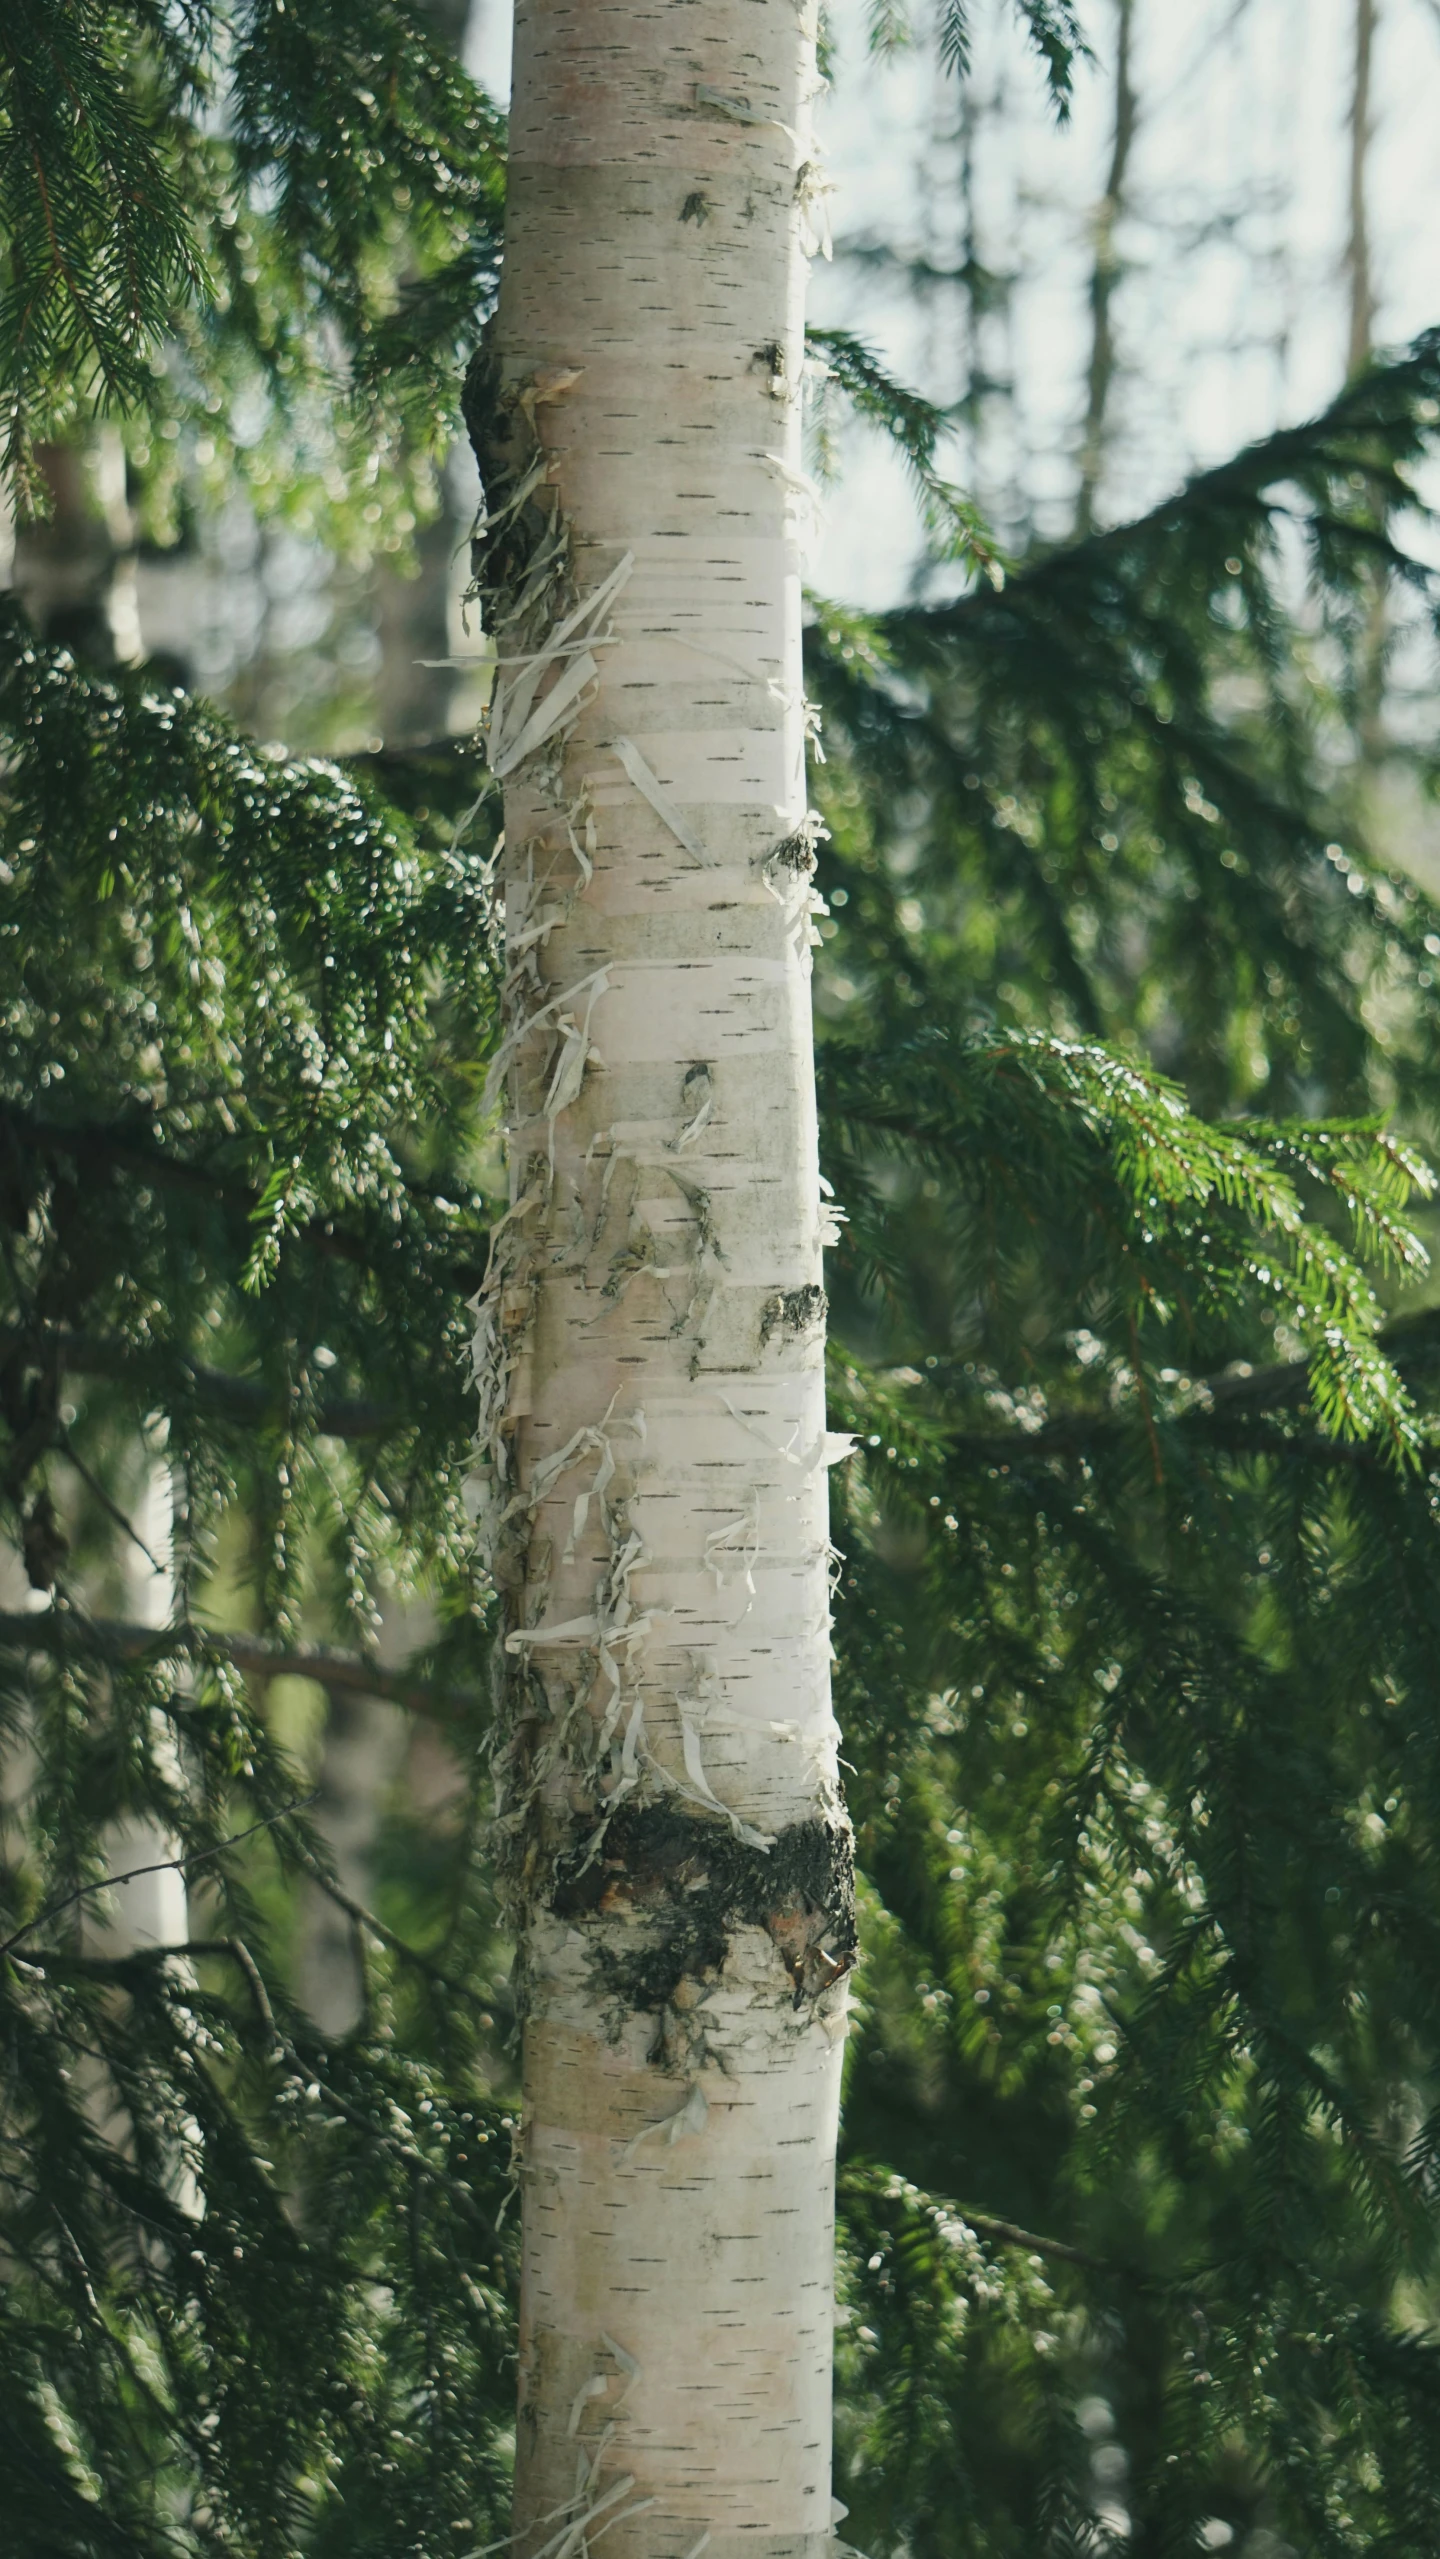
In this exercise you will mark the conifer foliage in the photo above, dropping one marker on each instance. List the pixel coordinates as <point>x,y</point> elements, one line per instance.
<point>1138,1645</point>
<point>242,1008</point>
<point>193,197</point>
<point>1129,1074</point>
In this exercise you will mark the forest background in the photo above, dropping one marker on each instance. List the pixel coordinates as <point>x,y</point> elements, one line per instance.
<point>1136,1620</point>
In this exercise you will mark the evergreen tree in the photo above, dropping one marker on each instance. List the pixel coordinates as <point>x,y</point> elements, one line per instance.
<point>1126,1044</point>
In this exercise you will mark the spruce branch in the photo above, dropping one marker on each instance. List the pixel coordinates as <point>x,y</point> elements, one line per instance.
<point>916,427</point>
<point>105,1967</point>
<point>171,177</point>
<point>94,1144</point>
<point>1053,27</point>
<point>248,1401</point>
<point>1009,2234</point>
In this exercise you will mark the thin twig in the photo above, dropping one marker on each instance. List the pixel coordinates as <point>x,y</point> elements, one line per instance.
<point>103,1965</point>
<point>400,1946</point>
<point>158,1866</point>
<point>239,1953</point>
<point>985,2226</point>
<point>68,1452</point>
<point>1142,1384</point>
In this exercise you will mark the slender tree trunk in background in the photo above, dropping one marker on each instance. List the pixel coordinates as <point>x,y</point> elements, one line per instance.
<point>363,1749</point>
<point>1105,275</point>
<point>74,571</point>
<point>414,687</point>
<point>653,1491</point>
<point>1357,248</point>
<point>1370,667</point>
<point>153,1909</point>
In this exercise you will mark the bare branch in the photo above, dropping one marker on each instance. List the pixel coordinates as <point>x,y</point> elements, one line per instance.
<point>157,1866</point>
<point>398,1945</point>
<point>1010,2234</point>
<point>103,1965</point>
<point>243,1399</point>
<point>58,1631</point>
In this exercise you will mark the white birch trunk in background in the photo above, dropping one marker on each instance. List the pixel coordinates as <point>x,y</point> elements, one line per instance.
<point>653,1484</point>
<point>153,1909</point>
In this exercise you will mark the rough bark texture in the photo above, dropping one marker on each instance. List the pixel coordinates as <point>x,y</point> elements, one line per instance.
<point>650,1339</point>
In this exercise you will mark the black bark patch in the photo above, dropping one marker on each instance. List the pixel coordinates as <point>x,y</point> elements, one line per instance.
<point>686,1884</point>
<point>488,416</point>
<point>793,1310</point>
<point>795,853</point>
<point>506,444</point>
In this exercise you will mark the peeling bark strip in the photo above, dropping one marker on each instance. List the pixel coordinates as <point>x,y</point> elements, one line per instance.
<point>649,1345</point>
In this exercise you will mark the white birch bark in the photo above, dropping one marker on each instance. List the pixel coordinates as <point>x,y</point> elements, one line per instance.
<point>650,1340</point>
<point>76,573</point>
<point>153,1908</point>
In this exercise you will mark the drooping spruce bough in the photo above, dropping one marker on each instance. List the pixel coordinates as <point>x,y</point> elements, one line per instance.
<point>1136,1632</point>
<point>1138,1649</point>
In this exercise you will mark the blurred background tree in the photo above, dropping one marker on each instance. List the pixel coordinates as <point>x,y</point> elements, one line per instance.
<point>1128,1071</point>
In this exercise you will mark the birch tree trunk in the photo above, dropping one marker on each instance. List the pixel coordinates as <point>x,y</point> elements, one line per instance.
<point>650,1335</point>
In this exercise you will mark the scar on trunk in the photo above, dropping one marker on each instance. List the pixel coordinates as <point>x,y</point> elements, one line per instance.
<point>687,1883</point>
<point>792,1310</point>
